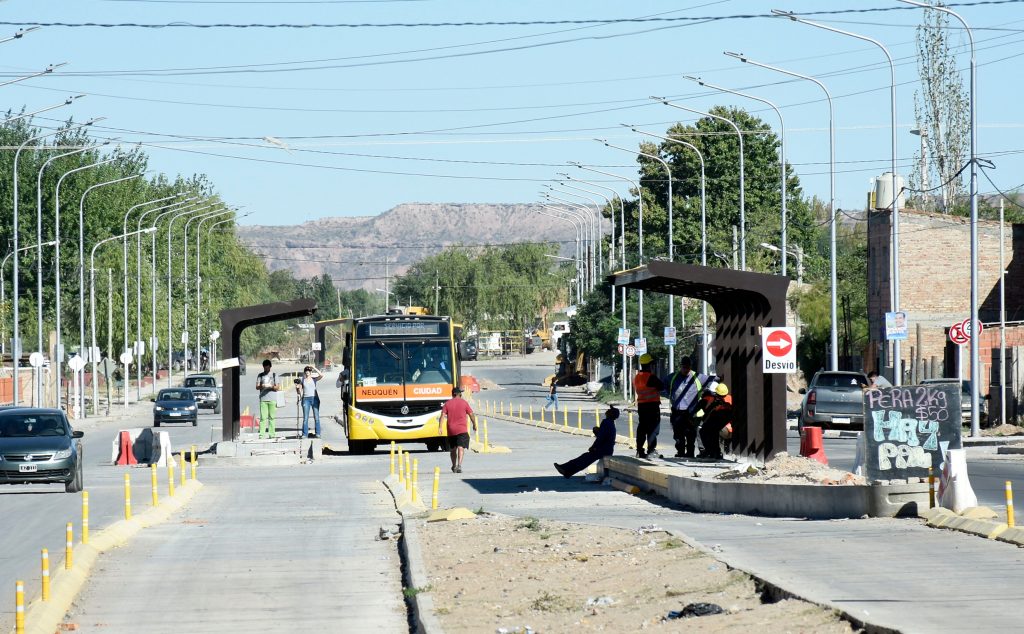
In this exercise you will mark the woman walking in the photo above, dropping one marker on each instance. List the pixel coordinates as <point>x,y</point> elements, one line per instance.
<point>310,400</point>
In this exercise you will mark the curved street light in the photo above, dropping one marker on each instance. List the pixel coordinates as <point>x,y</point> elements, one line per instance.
<point>576,210</point>
<point>577,225</point>
<point>782,153</point>
<point>671,250</point>
<point>833,359</point>
<point>975,332</point>
<point>92,310</point>
<point>703,238</point>
<point>743,204</point>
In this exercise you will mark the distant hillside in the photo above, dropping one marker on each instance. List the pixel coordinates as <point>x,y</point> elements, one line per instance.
<point>353,249</point>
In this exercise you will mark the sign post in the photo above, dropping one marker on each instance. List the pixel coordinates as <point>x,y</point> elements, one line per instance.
<point>778,346</point>
<point>76,363</point>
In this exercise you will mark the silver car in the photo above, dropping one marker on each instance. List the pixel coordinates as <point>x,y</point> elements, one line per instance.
<point>37,445</point>
<point>834,399</point>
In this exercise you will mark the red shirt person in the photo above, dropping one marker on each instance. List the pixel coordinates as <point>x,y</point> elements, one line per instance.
<point>457,412</point>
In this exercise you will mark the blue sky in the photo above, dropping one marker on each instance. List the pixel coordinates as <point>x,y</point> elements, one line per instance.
<point>374,116</point>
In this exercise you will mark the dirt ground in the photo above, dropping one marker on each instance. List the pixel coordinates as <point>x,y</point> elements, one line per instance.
<point>1004,430</point>
<point>517,575</point>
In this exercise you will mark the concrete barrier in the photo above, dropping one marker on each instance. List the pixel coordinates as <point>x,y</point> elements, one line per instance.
<point>147,445</point>
<point>774,500</point>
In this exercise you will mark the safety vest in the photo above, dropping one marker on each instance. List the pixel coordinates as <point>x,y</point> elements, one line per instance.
<point>685,388</point>
<point>645,394</point>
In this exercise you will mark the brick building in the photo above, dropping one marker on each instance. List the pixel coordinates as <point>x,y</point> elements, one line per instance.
<point>935,287</point>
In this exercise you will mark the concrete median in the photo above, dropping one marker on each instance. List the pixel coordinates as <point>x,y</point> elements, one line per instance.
<point>775,500</point>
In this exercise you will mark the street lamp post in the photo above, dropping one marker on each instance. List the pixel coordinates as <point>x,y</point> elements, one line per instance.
<point>895,289</point>
<point>175,206</point>
<point>580,212</point>
<point>611,215</point>
<point>833,329</point>
<point>199,313</point>
<point>743,204</point>
<point>671,251</point>
<point>594,216</point>
<point>782,154</point>
<point>57,275</point>
<point>975,329</point>
<point>81,285</point>
<point>15,274</point>
<point>3,293</point>
<point>92,308</point>
<point>703,238</point>
<point>184,279</point>
<point>39,268</point>
<point>578,228</point>
<point>124,295</point>
<point>174,212</point>
<point>798,254</point>
<point>170,314</point>
<point>199,233</point>
<point>640,293</point>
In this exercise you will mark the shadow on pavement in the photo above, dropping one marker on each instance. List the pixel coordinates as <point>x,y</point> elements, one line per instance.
<point>553,483</point>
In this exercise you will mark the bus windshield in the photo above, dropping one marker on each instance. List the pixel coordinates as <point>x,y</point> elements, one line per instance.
<point>428,362</point>
<point>378,363</point>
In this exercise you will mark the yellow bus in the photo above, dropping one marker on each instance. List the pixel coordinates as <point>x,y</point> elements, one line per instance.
<point>402,369</point>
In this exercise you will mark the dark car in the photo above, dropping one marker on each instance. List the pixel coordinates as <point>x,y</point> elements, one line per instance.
<point>467,350</point>
<point>37,445</point>
<point>834,399</point>
<point>175,405</point>
<point>205,390</point>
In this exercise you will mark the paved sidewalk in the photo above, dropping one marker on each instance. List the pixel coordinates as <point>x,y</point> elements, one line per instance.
<point>896,573</point>
<point>260,549</point>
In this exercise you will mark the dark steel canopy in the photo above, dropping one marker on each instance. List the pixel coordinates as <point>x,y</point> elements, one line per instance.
<point>233,321</point>
<point>744,303</point>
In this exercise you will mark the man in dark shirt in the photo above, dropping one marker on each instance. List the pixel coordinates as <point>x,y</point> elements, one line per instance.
<point>604,445</point>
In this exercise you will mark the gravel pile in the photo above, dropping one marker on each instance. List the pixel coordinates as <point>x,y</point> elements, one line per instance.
<point>786,469</point>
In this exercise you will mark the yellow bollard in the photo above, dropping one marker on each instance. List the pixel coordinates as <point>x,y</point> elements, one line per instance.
<point>579,417</point>
<point>520,410</point>
<point>127,496</point>
<point>85,517</point>
<point>19,607</point>
<point>391,455</point>
<point>46,575</point>
<point>597,417</point>
<point>156,491</point>
<point>500,407</point>
<point>565,418</point>
<point>542,415</point>
<point>408,470</point>
<point>931,487</point>
<point>531,412</point>
<point>415,479</point>
<point>487,443</point>
<point>182,481</point>
<point>401,467</point>
<point>437,485</point>
<point>1010,520</point>
<point>170,475</point>
<point>477,430</point>
<point>69,542</point>
<point>193,465</point>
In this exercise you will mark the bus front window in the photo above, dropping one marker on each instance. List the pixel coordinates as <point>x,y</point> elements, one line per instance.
<point>428,362</point>
<point>377,364</point>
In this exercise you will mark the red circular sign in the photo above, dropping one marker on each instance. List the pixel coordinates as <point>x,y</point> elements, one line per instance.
<point>778,343</point>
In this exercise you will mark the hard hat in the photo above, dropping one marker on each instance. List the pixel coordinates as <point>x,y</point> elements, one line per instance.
<point>645,359</point>
<point>721,389</point>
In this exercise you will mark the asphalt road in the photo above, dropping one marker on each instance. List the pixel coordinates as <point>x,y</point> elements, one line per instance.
<point>519,381</point>
<point>35,515</point>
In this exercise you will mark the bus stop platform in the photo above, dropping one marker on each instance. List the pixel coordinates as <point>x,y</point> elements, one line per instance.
<point>249,449</point>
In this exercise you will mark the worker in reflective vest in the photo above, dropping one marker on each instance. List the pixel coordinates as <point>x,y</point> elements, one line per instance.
<point>715,412</point>
<point>684,387</point>
<point>648,408</point>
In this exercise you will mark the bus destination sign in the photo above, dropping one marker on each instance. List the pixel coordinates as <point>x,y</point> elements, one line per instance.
<point>405,329</point>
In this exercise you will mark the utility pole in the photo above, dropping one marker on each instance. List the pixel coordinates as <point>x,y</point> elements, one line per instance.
<point>735,248</point>
<point>437,292</point>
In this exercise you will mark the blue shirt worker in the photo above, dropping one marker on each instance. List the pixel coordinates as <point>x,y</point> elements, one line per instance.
<point>684,388</point>
<point>604,445</point>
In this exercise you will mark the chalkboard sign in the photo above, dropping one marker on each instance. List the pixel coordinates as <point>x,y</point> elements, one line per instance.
<point>909,428</point>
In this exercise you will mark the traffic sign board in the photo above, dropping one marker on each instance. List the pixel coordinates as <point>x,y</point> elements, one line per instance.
<point>778,350</point>
<point>620,349</point>
<point>960,333</point>
<point>76,363</point>
<point>630,350</point>
<point>126,358</point>
<point>36,359</point>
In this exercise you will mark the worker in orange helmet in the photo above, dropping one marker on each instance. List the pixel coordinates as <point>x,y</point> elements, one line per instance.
<point>715,412</point>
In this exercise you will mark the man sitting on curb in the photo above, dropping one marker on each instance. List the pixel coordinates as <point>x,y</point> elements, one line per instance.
<point>604,445</point>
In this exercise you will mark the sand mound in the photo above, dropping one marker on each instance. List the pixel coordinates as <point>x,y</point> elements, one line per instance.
<point>786,469</point>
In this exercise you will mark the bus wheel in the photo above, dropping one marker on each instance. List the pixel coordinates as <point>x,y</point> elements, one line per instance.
<point>361,447</point>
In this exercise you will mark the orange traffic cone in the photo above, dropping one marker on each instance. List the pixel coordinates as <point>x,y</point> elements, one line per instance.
<point>811,445</point>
